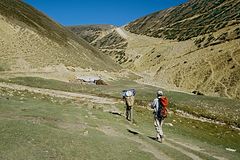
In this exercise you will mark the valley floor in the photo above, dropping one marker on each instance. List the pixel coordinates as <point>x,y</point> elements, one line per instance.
<point>38,123</point>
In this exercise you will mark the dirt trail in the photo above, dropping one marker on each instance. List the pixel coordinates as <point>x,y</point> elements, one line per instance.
<point>147,147</point>
<point>122,33</point>
<point>150,148</point>
<point>194,148</point>
<point>217,81</point>
<point>234,59</point>
<point>143,145</point>
<point>61,94</point>
<point>191,155</point>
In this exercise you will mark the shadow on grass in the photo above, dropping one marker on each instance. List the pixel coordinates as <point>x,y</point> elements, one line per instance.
<point>115,113</point>
<point>152,138</point>
<point>133,132</point>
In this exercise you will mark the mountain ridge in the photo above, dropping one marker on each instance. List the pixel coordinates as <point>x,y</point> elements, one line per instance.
<point>104,37</point>
<point>205,16</point>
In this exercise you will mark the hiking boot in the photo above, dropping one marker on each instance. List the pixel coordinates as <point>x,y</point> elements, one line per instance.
<point>159,140</point>
<point>162,138</point>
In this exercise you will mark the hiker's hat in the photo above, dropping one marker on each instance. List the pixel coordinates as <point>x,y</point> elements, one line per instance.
<point>160,93</point>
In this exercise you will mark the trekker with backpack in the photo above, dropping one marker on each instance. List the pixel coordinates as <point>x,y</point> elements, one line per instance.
<point>129,97</point>
<point>159,105</point>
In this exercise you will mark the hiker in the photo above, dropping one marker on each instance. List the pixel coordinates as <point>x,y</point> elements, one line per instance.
<point>159,105</point>
<point>128,97</point>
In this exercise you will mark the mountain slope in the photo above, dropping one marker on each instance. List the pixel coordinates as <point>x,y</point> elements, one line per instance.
<point>200,46</point>
<point>191,47</point>
<point>194,18</point>
<point>91,32</point>
<point>106,38</point>
<point>29,39</point>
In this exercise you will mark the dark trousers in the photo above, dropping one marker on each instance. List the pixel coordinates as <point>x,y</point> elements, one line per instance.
<point>129,113</point>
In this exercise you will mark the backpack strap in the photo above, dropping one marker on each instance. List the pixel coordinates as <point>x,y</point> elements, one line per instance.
<point>159,108</point>
<point>159,103</point>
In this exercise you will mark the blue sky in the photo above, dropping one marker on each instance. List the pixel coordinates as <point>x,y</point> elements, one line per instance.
<point>116,12</point>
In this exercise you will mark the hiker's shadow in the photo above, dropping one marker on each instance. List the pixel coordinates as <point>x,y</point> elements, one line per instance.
<point>115,113</point>
<point>133,132</point>
<point>136,133</point>
<point>153,138</point>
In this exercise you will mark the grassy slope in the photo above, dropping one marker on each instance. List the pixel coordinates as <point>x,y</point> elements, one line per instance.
<point>44,128</point>
<point>35,126</point>
<point>220,109</point>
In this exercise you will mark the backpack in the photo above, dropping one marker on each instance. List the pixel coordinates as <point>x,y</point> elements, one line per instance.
<point>129,100</point>
<point>163,101</point>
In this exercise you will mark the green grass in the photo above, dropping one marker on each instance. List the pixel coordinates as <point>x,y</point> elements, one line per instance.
<point>215,108</point>
<point>35,126</point>
<point>43,142</point>
<point>211,137</point>
<point>114,88</point>
<point>213,134</point>
<point>50,128</point>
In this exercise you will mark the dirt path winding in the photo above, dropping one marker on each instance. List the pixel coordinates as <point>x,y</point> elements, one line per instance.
<point>61,94</point>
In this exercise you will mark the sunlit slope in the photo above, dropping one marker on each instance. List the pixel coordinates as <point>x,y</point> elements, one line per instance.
<point>29,39</point>
<point>191,47</point>
<point>198,46</point>
<point>194,18</point>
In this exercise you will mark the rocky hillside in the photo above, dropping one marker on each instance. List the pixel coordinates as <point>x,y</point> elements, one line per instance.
<point>30,40</point>
<point>106,38</point>
<point>192,19</point>
<point>91,32</point>
<point>200,47</point>
<point>194,47</point>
